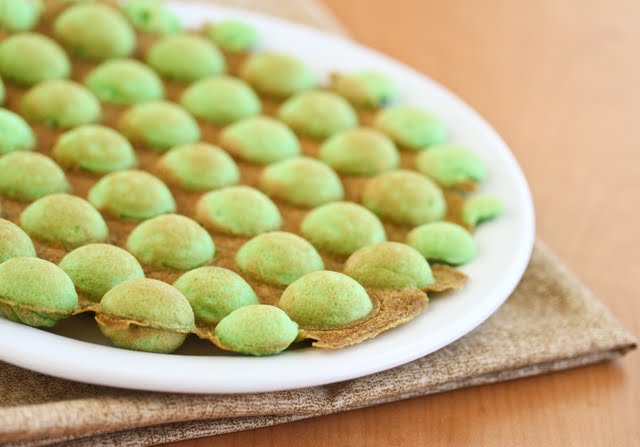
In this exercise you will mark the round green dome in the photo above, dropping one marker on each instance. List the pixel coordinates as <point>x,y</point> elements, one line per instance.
<point>276,74</point>
<point>27,176</point>
<point>359,151</point>
<point>342,228</point>
<point>185,58</point>
<point>232,35</point>
<point>389,265</point>
<point>198,167</point>
<point>405,198</point>
<point>278,258</point>
<point>132,195</point>
<point>366,89</point>
<point>260,140</point>
<point>149,300</point>
<point>221,100</point>
<point>160,125</point>
<point>151,17</point>
<point>35,292</point>
<point>124,81</point>
<point>14,242</point>
<point>325,299</point>
<point>95,149</point>
<point>171,241</point>
<point>215,292</point>
<point>444,242</point>
<point>19,15</point>
<point>95,31</point>
<point>317,114</point>
<point>160,316</point>
<point>97,268</point>
<point>46,59</point>
<point>16,133</point>
<point>256,330</point>
<point>481,208</point>
<point>238,210</point>
<point>451,165</point>
<point>64,220</point>
<point>411,127</point>
<point>301,181</point>
<point>60,104</point>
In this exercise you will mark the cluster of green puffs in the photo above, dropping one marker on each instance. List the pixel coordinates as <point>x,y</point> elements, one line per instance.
<point>145,314</point>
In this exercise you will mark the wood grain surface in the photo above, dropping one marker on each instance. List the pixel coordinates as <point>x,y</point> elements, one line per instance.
<point>560,81</point>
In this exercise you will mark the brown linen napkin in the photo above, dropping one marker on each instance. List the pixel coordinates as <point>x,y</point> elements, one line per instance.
<point>551,322</point>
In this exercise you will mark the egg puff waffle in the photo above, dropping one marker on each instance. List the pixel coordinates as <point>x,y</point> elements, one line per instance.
<point>391,307</point>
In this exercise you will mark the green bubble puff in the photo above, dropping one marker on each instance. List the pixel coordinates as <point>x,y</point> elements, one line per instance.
<point>124,81</point>
<point>389,265</point>
<point>301,181</point>
<point>317,114</point>
<point>97,268</point>
<point>451,165</point>
<point>64,220</point>
<point>257,330</point>
<point>366,89</point>
<point>171,241</point>
<point>278,75</point>
<point>152,17</point>
<point>215,292</point>
<point>95,149</point>
<point>233,35</point>
<point>46,59</point>
<point>199,167</point>
<point>260,140</point>
<point>27,176</point>
<point>16,133</point>
<point>14,242</point>
<point>278,258</point>
<point>132,195</point>
<point>342,228</point>
<point>20,15</point>
<point>221,100</point>
<point>325,299</point>
<point>404,197</point>
<point>60,104</point>
<point>410,127</point>
<point>35,292</point>
<point>159,125</point>
<point>95,31</point>
<point>238,210</point>
<point>185,58</point>
<point>478,209</point>
<point>444,242</point>
<point>359,151</point>
<point>160,314</point>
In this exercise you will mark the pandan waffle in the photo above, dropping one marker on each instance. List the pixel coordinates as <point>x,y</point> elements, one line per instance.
<point>177,182</point>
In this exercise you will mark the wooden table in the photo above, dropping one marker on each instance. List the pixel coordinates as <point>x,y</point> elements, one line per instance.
<point>560,81</point>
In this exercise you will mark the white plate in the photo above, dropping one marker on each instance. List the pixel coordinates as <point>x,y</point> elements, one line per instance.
<point>504,249</point>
